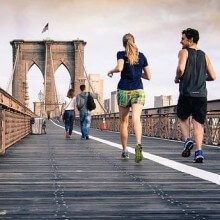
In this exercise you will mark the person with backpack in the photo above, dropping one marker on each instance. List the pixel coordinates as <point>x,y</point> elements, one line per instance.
<point>85,104</point>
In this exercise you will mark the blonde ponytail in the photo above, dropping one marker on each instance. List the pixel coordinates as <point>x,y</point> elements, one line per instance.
<point>131,49</point>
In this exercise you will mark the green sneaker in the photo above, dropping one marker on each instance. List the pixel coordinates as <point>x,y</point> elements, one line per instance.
<point>138,153</point>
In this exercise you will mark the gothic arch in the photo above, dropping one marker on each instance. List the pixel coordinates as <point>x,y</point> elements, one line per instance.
<point>48,55</point>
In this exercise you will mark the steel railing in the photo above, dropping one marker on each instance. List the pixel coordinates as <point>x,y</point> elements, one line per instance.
<point>163,123</point>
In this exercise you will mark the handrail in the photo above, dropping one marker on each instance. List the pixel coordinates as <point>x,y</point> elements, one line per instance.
<point>163,123</point>
<point>8,101</point>
<point>15,120</point>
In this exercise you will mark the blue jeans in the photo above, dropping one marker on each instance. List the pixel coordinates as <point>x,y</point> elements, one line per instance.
<point>85,122</point>
<point>69,117</point>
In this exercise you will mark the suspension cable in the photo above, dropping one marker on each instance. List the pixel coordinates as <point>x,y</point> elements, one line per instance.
<point>54,82</point>
<point>12,74</point>
<point>90,85</point>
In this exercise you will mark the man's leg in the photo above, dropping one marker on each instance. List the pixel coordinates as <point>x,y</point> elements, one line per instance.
<point>82,119</point>
<point>199,117</point>
<point>188,144</point>
<point>198,133</point>
<point>185,128</point>
<point>87,125</point>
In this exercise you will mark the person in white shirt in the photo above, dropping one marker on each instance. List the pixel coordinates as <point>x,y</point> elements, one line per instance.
<point>69,112</point>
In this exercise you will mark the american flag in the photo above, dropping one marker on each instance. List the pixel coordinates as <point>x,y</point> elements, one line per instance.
<point>45,28</point>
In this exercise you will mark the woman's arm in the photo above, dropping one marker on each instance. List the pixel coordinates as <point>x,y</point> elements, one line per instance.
<point>118,68</point>
<point>147,73</point>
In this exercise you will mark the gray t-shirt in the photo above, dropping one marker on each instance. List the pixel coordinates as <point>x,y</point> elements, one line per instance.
<point>193,81</point>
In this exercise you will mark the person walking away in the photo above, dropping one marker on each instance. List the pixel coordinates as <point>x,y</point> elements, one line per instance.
<point>193,70</point>
<point>84,113</point>
<point>69,112</point>
<point>133,66</point>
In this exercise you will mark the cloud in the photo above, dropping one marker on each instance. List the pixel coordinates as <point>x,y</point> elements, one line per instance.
<point>156,24</point>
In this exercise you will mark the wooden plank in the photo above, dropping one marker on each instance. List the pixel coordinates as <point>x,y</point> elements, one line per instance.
<point>49,177</point>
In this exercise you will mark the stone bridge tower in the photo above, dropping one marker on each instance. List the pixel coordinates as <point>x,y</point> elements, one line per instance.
<point>48,55</point>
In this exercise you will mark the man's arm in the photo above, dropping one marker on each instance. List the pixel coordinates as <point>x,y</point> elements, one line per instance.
<point>210,70</point>
<point>183,56</point>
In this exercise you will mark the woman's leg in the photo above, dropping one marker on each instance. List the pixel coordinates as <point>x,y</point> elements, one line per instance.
<point>66,120</point>
<point>67,123</point>
<point>72,117</point>
<point>124,116</point>
<point>136,119</point>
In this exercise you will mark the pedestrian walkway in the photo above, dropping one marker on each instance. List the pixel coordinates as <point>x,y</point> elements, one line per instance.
<point>49,177</point>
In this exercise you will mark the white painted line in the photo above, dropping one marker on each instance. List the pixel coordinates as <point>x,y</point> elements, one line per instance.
<point>202,174</point>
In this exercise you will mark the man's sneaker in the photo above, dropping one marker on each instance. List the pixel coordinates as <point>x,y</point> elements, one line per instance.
<point>87,137</point>
<point>125,154</point>
<point>83,138</point>
<point>199,157</point>
<point>188,146</point>
<point>138,153</point>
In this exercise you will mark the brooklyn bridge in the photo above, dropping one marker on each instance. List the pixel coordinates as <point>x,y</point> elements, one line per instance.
<point>45,176</point>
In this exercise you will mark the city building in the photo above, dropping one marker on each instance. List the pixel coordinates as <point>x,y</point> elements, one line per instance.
<point>162,100</point>
<point>96,83</point>
<point>107,105</point>
<point>114,104</point>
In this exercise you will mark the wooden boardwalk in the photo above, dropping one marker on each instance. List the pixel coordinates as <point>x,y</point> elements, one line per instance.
<point>49,177</point>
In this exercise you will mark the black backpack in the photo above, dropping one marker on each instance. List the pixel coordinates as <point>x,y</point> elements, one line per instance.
<point>90,104</point>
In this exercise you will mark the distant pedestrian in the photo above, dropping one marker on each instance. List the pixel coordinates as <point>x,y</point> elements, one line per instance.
<point>69,112</point>
<point>84,113</point>
<point>193,70</point>
<point>133,66</point>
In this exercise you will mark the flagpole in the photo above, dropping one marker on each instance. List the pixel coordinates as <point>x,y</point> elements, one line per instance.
<point>48,34</point>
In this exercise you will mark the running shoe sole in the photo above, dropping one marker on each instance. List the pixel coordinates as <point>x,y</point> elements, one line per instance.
<point>187,150</point>
<point>198,160</point>
<point>125,157</point>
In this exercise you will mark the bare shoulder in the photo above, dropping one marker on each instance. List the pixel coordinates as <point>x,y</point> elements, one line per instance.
<point>207,58</point>
<point>183,52</point>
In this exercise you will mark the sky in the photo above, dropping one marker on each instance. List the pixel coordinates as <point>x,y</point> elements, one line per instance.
<point>155,24</point>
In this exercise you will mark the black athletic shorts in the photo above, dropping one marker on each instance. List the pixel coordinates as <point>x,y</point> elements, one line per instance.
<point>195,106</point>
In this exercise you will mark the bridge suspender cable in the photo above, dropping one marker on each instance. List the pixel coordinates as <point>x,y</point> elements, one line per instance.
<point>10,79</point>
<point>45,79</point>
<point>56,106</point>
<point>90,85</point>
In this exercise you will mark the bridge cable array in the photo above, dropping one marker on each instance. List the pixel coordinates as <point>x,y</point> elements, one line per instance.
<point>90,85</point>
<point>12,74</point>
<point>56,101</point>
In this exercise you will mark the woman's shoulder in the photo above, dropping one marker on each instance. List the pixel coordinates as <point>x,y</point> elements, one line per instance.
<point>120,54</point>
<point>121,51</point>
<point>141,54</point>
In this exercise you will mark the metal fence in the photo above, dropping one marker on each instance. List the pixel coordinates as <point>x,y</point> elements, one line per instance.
<point>163,123</point>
